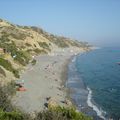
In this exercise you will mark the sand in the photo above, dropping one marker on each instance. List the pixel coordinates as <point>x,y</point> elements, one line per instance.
<point>45,79</point>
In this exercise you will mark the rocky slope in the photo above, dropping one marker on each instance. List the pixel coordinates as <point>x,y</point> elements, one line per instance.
<point>19,43</point>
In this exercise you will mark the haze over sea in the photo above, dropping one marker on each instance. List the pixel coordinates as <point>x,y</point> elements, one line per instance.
<point>99,72</point>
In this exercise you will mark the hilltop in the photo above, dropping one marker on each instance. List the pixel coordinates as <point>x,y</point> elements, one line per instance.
<point>19,43</point>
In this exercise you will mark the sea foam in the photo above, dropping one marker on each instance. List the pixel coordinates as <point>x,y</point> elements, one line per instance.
<point>99,112</point>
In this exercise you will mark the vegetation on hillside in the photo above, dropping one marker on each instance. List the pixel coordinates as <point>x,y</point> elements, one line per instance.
<point>44,45</point>
<point>20,56</point>
<point>40,51</point>
<point>33,62</point>
<point>6,92</point>
<point>60,41</point>
<point>14,32</point>
<point>61,113</point>
<point>7,110</point>
<point>28,45</point>
<point>8,66</point>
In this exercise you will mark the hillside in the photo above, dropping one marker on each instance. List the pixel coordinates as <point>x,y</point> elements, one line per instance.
<point>19,43</point>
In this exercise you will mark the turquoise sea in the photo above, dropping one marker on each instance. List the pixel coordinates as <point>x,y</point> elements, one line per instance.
<point>94,78</point>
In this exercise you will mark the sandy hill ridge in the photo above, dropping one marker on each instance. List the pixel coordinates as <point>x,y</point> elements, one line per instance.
<point>19,43</point>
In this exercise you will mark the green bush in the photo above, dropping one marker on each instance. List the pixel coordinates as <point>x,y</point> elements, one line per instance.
<point>10,115</point>
<point>61,113</point>
<point>5,94</point>
<point>16,73</point>
<point>8,66</point>
<point>4,38</point>
<point>38,51</point>
<point>7,110</point>
<point>10,47</point>
<point>14,115</point>
<point>33,62</point>
<point>22,57</point>
<point>44,45</point>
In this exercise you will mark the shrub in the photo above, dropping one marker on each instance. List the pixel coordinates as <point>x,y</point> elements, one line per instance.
<point>10,47</point>
<point>28,45</point>
<point>10,115</point>
<point>16,73</point>
<point>44,45</point>
<point>29,51</point>
<point>5,94</point>
<point>7,65</point>
<point>14,115</point>
<point>4,38</point>
<point>7,111</point>
<point>22,57</point>
<point>33,62</point>
<point>61,113</point>
<point>38,51</point>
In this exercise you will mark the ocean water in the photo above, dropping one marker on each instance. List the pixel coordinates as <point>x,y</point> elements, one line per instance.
<point>94,80</point>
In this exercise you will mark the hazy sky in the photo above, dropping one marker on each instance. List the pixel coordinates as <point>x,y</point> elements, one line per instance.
<point>96,21</point>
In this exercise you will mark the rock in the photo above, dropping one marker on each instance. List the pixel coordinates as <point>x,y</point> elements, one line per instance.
<point>48,98</point>
<point>52,103</point>
<point>68,102</point>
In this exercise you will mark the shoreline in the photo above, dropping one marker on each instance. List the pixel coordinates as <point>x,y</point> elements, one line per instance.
<point>90,103</point>
<point>96,113</point>
<point>44,80</point>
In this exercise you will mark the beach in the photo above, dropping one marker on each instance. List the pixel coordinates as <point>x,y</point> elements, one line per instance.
<point>46,79</point>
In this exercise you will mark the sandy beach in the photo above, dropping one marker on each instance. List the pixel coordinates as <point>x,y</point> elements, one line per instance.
<point>45,79</point>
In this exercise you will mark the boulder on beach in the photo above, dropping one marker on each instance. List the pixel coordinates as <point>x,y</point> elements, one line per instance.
<point>52,102</point>
<point>68,102</point>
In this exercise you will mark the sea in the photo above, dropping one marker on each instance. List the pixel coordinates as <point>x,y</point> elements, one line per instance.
<point>94,82</point>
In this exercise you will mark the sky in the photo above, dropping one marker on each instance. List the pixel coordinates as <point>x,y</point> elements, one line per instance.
<point>94,21</point>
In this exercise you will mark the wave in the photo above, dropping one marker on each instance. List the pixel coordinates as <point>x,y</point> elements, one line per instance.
<point>74,59</point>
<point>71,81</point>
<point>99,112</point>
